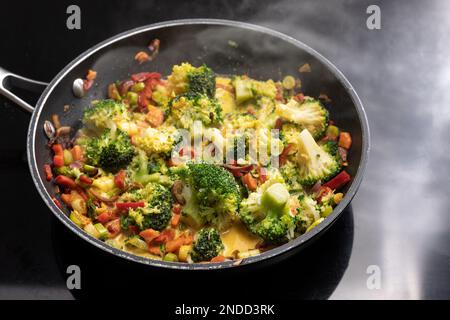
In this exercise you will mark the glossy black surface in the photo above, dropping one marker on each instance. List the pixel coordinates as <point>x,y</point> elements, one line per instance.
<point>399,220</point>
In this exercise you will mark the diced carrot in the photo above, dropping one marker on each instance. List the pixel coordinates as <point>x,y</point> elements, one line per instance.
<point>77,153</point>
<point>175,220</point>
<point>48,172</point>
<point>141,57</point>
<point>58,149</point>
<point>149,235</point>
<point>156,250</point>
<point>165,236</point>
<point>218,259</point>
<point>174,245</point>
<point>91,75</point>
<point>66,198</point>
<point>155,116</point>
<point>58,161</point>
<point>250,181</point>
<point>345,140</point>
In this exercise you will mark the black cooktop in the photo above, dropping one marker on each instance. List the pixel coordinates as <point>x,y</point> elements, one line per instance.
<point>397,225</point>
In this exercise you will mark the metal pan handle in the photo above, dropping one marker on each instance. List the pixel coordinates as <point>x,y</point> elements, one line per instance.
<point>19,82</point>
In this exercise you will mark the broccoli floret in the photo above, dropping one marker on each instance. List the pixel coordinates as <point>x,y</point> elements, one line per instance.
<point>186,78</point>
<point>186,109</point>
<point>290,175</point>
<point>247,89</point>
<point>158,209</point>
<point>270,220</point>
<point>202,80</point>
<point>307,213</point>
<point>157,141</point>
<point>111,151</point>
<point>215,194</point>
<point>314,162</point>
<point>143,171</point>
<point>104,114</point>
<point>310,114</point>
<point>207,245</point>
<point>331,147</point>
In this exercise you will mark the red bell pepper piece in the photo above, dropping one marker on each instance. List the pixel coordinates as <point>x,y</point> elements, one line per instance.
<point>58,149</point>
<point>338,181</point>
<point>124,206</point>
<point>149,235</point>
<point>106,217</point>
<point>66,182</point>
<point>166,235</point>
<point>85,179</point>
<point>58,161</point>
<point>142,76</point>
<point>56,201</point>
<point>48,172</point>
<point>113,227</point>
<point>119,179</point>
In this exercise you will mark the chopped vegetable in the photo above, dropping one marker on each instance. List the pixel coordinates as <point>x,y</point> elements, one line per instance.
<point>131,178</point>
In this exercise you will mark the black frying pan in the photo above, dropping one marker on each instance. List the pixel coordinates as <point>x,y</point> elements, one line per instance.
<point>261,52</point>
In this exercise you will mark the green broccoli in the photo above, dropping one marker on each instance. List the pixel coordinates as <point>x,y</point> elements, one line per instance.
<point>104,114</point>
<point>111,151</point>
<point>214,197</point>
<point>202,80</point>
<point>158,209</point>
<point>266,214</point>
<point>207,245</point>
<point>309,114</point>
<point>289,173</point>
<point>314,162</point>
<point>143,171</point>
<point>248,89</point>
<point>187,79</point>
<point>186,109</point>
<point>307,213</point>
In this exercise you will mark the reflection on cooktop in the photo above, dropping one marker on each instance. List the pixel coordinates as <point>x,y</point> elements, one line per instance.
<point>312,273</point>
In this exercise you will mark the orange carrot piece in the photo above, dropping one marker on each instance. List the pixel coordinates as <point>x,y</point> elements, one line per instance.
<point>156,250</point>
<point>77,153</point>
<point>175,220</point>
<point>149,235</point>
<point>218,259</point>
<point>66,198</point>
<point>250,182</point>
<point>174,245</point>
<point>155,116</point>
<point>345,140</point>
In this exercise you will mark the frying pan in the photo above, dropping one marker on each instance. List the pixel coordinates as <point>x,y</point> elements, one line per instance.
<point>228,47</point>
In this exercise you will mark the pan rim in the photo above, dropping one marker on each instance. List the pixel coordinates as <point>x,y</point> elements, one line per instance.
<point>298,242</point>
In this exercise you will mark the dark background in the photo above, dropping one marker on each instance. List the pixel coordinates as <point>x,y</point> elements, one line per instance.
<point>398,221</point>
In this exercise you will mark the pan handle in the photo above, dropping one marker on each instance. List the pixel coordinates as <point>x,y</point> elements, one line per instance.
<point>19,82</point>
